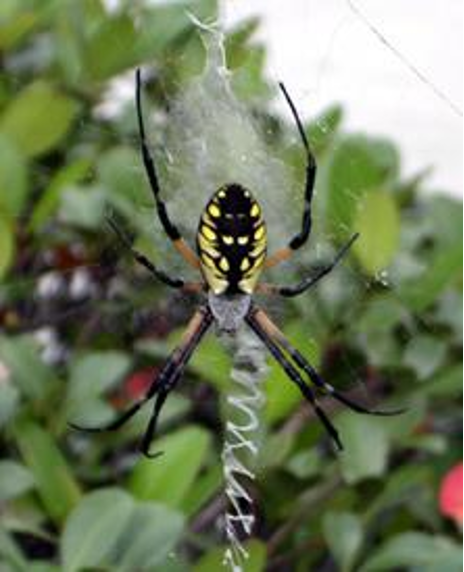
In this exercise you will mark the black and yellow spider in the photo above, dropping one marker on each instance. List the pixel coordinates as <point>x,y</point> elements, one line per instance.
<point>231,249</point>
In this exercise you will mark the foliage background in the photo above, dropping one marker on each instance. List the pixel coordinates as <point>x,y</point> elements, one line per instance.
<point>74,348</point>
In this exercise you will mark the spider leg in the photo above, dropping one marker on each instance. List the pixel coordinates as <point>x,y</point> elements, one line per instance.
<point>196,329</point>
<point>273,331</point>
<point>299,239</point>
<point>164,382</point>
<point>170,229</point>
<point>255,323</point>
<point>141,258</point>
<point>309,281</point>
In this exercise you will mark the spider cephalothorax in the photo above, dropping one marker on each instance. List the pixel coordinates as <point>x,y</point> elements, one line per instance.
<point>232,253</point>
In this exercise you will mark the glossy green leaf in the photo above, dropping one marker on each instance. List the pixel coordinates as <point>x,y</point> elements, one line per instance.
<point>344,534</point>
<point>20,355</point>
<point>49,201</point>
<point>212,362</point>
<point>282,395</point>
<point>15,480</point>
<point>323,128</point>
<point>377,221</point>
<point>358,164</point>
<point>11,552</point>
<point>418,550</point>
<point>27,119</point>
<point>7,244</point>
<point>168,478</point>
<point>16,24</point>
<point>91,375</point>
<point>425,354</point>
<point>149,538</point>
<point>9,402</point>
<point>94,528</point>
<point>13,180</point>
<point>55,483</point>
<point>110,48</point>
<point>439,273</point>
<point>445,383</point>
<point>366,443</point>
<point>83,206</point>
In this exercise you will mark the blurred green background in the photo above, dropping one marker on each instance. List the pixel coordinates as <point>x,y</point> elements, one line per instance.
<point>83,330</point>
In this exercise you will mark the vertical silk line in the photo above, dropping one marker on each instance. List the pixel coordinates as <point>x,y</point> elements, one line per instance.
<point>403,59</point>
<point>241,445</point>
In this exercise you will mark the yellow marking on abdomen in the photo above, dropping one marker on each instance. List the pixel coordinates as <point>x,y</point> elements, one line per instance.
<point>245,264</point>
<point>214,211</point>
<point>259,232</point>
<point>208,232</point>
<point>255,211</point>
<point>224,264</point>
<point>208,261</point>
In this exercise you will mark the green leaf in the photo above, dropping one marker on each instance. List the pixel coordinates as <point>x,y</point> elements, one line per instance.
<point>305,464</point>
<point>214,559</point>
<point>425,354</point>
<point>344,534</point>
<point>323,129</point>
<point>94,528</point>
<point>377,221</point>
<point>15,25</point>
<point>83,206</point>
<point>212,363</point>
<point>49,201</point>
<point>11,552</point>
<point>28,372</point>
<point>281,394</point>
<point>149,538</point>
<point>359,164</point>
<point>168,27</point>
<point>205,486</point>
<point>418,550</point>
<point>237,43</point>
<point>9,402</point>
<point>15,480</point>
<point>446,383</point>
<point>445,266</point>
<point>109,529</point>
<point>7,244</point>
<point>120,172</point>
<point>91,375</point>
<point>13,181</point>
<point>366,443</point>
<point>27,119</point>
<point>54,480</point>
<point>169,478</point>
<point>111,47</point>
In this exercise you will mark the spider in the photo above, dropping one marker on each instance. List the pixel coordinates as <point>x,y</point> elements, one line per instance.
<point>231,253</point>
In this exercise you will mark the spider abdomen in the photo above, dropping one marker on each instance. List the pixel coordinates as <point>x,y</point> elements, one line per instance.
<point>231,241</point>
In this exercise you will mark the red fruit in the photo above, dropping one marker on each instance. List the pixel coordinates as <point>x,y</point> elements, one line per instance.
<point>450,494</point>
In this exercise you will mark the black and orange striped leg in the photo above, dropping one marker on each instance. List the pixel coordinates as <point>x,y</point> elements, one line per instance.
<point>171,229</point>
<point>265,323</point>
<point>260,328</point>
<point>164,382</point>
<point>299,239</point>
<point>310,281</point>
